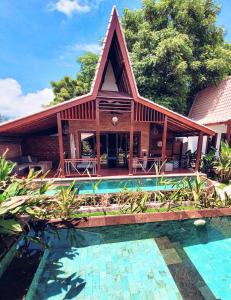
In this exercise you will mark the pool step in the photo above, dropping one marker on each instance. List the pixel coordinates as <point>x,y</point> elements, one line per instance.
<point>189,282</point>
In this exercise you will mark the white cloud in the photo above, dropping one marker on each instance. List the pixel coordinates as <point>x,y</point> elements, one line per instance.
<point>72,51</point>
<point>69,7</point>
<point>86,47</point>
<point>14,103</point>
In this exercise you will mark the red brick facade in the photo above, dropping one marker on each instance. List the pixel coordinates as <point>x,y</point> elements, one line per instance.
<point>44,147</point>
<point>13,146</point>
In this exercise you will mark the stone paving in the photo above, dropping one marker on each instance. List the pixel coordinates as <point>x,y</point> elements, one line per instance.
<point>116,271</point>
<point>160,260</point>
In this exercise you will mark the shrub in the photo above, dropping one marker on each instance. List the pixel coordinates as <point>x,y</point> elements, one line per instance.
<point>223,163</point>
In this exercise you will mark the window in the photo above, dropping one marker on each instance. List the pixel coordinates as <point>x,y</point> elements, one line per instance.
<point>88,144</point>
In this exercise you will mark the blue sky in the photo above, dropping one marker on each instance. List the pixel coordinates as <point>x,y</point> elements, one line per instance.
<point>40,39</point>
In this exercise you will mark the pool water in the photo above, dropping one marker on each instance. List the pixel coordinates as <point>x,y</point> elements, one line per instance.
<point>108,186</point>
<point>162,260</point>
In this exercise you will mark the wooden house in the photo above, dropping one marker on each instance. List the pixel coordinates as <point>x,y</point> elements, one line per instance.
<point>112,130</point>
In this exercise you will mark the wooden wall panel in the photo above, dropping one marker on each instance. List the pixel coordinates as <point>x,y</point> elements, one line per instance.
<point>143,113</point>
<point>84,111</point>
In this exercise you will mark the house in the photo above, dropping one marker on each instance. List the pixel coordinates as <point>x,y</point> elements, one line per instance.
<point>111,130</point>
<point>212,107</point>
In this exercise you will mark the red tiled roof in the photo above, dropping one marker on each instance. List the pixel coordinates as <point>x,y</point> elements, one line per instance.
<point>213,104</point>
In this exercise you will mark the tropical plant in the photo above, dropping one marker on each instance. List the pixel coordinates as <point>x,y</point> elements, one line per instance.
<point>223,164</point>
<point>6,168</point>
<point>25,186</point>
<point>207,162</point>
<point>195,188</point>
<point>17,196</point>
<point>64,204</point>
<point>190,158</point>
<point>95,189</point>
<point>171,198</point>
<point>134,202</point>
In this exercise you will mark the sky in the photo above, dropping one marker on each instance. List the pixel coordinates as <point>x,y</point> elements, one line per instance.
<point>40,40</point>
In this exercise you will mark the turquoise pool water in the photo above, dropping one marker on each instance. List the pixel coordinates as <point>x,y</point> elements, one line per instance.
<point>163,260</point>
<point>108,186</point>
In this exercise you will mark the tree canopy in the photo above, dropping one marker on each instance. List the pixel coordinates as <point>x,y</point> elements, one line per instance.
<point>176,49</point>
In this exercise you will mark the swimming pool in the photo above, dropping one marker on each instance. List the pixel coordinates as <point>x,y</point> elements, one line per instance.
<point>162,260</point>
<point>109,186</point>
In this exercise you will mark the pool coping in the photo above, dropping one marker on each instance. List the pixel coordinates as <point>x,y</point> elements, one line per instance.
<point>99,221</point>
<point>70,179</point>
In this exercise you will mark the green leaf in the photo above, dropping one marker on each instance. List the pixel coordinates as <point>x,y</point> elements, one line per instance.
<point>9,226</point>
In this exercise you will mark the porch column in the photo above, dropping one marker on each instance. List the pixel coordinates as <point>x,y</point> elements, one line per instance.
<point>98,138</point>
<point>131,139</point>
<point>164,140</point>
<point>60,136</point>
<point>228,134</point>
<point>199,151</point>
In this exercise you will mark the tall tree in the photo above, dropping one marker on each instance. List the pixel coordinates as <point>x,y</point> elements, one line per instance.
<point>68,88</point>
<point>176,49</point>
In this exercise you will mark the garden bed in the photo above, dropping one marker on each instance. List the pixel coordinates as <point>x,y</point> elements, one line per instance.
<point>108,220</point>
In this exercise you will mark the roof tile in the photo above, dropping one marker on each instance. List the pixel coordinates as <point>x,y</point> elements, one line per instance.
<point>213,104</point>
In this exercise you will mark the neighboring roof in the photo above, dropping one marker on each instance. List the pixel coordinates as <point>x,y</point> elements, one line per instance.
<point>213,104</point>
<point>47,117</point>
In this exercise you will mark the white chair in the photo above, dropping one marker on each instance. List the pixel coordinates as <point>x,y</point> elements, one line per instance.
<point>86,165</point>
<point>136,164</point>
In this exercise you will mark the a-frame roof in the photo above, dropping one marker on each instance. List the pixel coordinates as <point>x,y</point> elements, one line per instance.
<point>114,38</point>
<point>114,29</point>
<point>213,104</point>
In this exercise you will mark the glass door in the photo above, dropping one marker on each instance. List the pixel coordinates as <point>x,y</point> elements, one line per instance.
<point>104,149</point>
<point>112,150</point>
<point>122,149</point>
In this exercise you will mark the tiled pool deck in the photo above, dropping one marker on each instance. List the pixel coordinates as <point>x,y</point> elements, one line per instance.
<point>125,270</point>
<point>160,260</point>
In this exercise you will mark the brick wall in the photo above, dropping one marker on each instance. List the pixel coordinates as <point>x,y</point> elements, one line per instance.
<point>14,149</point>
<point>44,147</point>
<point>106,125</point>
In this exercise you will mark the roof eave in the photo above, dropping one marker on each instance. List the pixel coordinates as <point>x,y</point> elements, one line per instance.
<point>175,115</point>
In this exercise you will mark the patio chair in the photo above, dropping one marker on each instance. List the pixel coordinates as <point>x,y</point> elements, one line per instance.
<point>25,163</point>
<point>136,164</point>
<point>83,167</point>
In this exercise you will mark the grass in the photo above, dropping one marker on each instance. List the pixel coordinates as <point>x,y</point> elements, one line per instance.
<point>223,185</point>
<point>149,210</point>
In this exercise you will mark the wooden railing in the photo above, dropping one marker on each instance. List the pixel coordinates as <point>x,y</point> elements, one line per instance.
<point>147,165</point>
<point>80,166</point>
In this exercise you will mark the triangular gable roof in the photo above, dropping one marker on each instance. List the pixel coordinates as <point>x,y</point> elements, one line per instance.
<point>114,27</point>
<point>213,104</point>
<point>48,115</point>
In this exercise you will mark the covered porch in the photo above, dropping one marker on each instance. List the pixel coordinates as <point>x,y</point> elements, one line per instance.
<point>118,136</point>
<point>112,135</point>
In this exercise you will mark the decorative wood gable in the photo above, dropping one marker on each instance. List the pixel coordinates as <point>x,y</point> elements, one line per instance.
<point>115,58</point>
